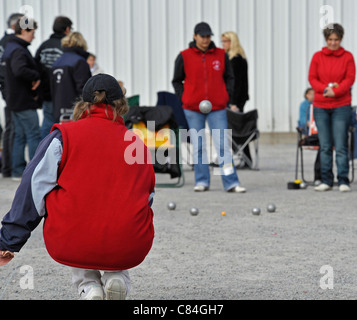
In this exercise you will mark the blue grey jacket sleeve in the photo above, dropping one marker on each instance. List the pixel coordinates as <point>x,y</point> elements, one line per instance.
<point>28,207</point>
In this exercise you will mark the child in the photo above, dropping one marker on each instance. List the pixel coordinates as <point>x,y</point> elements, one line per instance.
<point>97,207</point>
<point>304,124</point>
<point>304,112</point>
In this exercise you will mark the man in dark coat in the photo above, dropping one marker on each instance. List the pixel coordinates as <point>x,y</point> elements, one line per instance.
<point>8,134</point>
<point>22,78</point>
<point>46,55</point>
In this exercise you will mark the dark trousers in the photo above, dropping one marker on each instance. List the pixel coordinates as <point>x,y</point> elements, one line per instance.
<point>8,140</point>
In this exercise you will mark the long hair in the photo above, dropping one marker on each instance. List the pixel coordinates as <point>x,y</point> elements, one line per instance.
<point>235,47</point>
<point>119,107</point>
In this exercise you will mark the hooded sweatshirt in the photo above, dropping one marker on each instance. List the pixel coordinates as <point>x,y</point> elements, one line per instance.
<point>330,66</point>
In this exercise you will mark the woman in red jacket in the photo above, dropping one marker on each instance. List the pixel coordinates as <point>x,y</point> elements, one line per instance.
<point>332,74</point>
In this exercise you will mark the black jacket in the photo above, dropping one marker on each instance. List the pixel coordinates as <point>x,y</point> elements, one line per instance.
<point>3,42</point>
<point>240,69</point>
<point>21,71</point>
<point>69,74</point>
<point>46,55</point>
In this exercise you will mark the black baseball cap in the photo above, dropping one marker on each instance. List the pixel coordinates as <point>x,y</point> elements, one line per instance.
<point>102,82</point>
<point>203,29</point>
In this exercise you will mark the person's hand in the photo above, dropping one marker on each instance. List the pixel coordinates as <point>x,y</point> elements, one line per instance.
<point>329,93</point>
<point>5,257</point>
<point>35,84</point>
<point>234,108</point>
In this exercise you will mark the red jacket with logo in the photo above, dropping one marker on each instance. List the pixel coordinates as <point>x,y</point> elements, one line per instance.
<point>99,215</point>
<point>203,76</point>
<point>332,66</point>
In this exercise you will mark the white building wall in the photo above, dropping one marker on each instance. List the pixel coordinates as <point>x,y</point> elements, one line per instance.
<point>137,41</point>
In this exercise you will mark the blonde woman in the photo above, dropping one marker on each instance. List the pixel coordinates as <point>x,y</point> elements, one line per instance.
<point>238,59</point>
<point>69,74</point>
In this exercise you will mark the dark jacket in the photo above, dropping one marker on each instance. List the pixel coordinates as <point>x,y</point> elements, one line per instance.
<point>68,77</point>
<point>46,55</point>
<point>21,71</point>
<point>203,76</point>
<point>3,42</point>
<point>240,69</point>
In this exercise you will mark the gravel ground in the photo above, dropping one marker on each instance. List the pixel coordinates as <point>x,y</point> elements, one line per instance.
<point>238,256</point>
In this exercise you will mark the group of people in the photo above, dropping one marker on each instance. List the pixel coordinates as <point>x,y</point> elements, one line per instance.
<point>205,72</point>
<point>92,210</point>
<point>52,80</point>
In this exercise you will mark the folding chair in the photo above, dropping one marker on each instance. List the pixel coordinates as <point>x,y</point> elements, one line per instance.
<point>244,128</point>
<point>311,142</point>
<point>165,98</point>
<point>157,127</point>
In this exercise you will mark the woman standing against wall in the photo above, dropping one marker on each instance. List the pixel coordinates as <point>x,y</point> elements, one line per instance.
<point>238,59</point>
<point>332,74</point>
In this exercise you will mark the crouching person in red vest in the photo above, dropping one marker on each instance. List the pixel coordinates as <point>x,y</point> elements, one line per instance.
<point>97,207</point>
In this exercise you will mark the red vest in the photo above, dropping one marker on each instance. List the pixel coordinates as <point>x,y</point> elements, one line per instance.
<point>204,78</point>
<point>99,215</point>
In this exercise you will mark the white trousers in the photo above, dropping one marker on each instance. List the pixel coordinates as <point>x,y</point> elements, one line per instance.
<point>81,278</point>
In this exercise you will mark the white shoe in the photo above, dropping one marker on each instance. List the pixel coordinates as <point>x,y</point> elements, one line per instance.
<point>238,189</point>
<point>200,188</point>
<point>317,183</point>
<point>345,188</point>
<point>115,289</point>
<point>323,187</point>
<point>94,292</point>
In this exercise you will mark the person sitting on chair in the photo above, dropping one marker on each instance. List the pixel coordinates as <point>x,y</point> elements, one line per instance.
<point>304,124</point>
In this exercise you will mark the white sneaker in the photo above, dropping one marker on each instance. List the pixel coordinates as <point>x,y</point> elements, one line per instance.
<point>345,188</point>
<point>317,183</point>
<point>238,189</point>
<point>115,289</point>
<point>94,292</point>
<point>200,188</point>
<point>323,187</point>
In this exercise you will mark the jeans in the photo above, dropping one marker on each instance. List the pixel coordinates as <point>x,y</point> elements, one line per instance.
<point>333,126</point>
<point>217,121</point>
<point>48,118</point>
<point>7,143</point>
<point>354,125</point>
<point>27,131</point>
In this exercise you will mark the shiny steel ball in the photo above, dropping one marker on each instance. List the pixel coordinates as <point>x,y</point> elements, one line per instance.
<point>256,211</point>
<point>271,207</point>
<point>303,185</point>
<point>171,205</point>
<point>205,106</point>
<point>194,211</point>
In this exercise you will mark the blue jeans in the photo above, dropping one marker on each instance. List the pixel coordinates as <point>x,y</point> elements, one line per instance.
<point>332,126</point>
<point>48,118</point>
<point>27,131</point>
<point>217,121</point>
<point>354,125</point>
